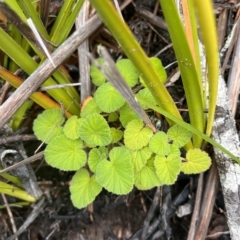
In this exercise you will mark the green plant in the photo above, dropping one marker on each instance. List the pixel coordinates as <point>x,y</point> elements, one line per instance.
<point>18,46</point>
<point>122,152</point>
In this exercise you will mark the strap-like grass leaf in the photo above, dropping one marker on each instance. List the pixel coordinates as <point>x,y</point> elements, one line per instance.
<point>71,127</point>
<point>147,178</point>
<point>116,135</point>
<point>197,161</point>
<point>128,71</point>
<point>167,168</point>
<point>108,98</point>
<point>127,115</point>
<point>140,157</point>
<point>89,108</point>
<point>136,136</point>
<point>179,135</point>
<point>95,131</point>
<point>157,65</point>
<point>116,175</point>
<point>48,125</point>
<point>95,156</point>
<point>146,95</point>
<point>97,77</point>
<point>159,144</point>
<point>84,188</point>
<point>65,154</point>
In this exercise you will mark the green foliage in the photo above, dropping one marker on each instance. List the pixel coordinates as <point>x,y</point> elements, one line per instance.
<point>128,71</point>
<point>97,77</point>
<point>95,156</point>
<point>95,131</point>
<point>146,95</point>
<point>83,188</point>
<point>71,127</point>
<point>136,135</point>
<point>196,161</point>
<point>108,98</point>
<point>116,175</point>
<point>127,115</point>
<point>89,108</point>
<point>147,177</point>
<point>167,168</point>
<point>48,125</point>
<point>158,67</point>
<point>122,151</point>
<point>65,154</point>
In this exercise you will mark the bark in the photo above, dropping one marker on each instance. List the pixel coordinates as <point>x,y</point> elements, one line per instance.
<point>225,133</point>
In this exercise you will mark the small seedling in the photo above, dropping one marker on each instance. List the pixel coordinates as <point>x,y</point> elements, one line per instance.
<point>111,147</point>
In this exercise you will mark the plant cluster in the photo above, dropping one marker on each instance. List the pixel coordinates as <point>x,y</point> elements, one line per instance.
<point>110,147</point>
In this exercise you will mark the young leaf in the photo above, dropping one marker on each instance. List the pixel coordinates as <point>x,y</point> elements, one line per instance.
<point>140,157</point>
<point>95,156</point>
<point>147,178</point>
<point>71,127</point>
<point>108,98</point>
<point>127,115</point>
<point>175,149</point>
<point>95,131</point>
<point>157,65</point>
<point>97,77</point>
<point>128,71</point>
<point>48,125</point>
<point>83,188</point>
<point>89,108</point>
<point>146,95</point>
<point>116,135</point>
<point>136,136</point>
<point>65,154</point>
<point>179,135</point>
<point>196,161</point>
<point>167,168</point>
<point>116,175</point>
<point>112,117</point>
<point>159,144</point>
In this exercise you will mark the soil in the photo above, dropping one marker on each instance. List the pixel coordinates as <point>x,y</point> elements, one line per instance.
<point>153,214</point>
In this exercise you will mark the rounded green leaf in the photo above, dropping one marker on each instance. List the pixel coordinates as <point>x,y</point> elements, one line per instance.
<point>108,98</point>
<point>127,115</point>
<point>147,96</point>
<point>95,156</point>
<point>136,136</point>
<point>95,131</point>
<point>83,188</point>
<point>112,117</point>
<point>179,135</point>
<point>89,108</point>
<point>197,161</point>
<point>70,128</point>
<point>167,168</point>
<point>116,175</point>
<point>48,125</point>
<point>116,135</point>
<point>65,154</point>
<point>140,157</point>
<point>97,77</point>
<point>147,178</point>
<point>128,71</point>
<point>159,144</point>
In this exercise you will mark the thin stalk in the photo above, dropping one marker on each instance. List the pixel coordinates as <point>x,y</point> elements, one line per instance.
<point>209,36</point>
<point>187,67</point>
